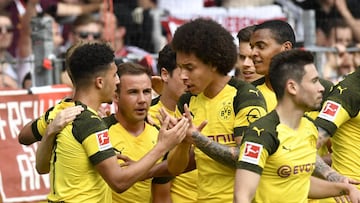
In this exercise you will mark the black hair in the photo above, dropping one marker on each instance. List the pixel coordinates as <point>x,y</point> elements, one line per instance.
<point>88,60</point>
<point>281,31</point>
<point>208,41</point>
<point>288,65</point>
<point>166,59</point>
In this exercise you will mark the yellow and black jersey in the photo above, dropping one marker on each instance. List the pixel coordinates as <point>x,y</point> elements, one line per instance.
<point>40,124</point>
<point>154,110</point>
<point>228,114</point>
<point>269,95</point>
<point>81,145</point>
<point>135,147</point>
<point>340,117</point>
<point>284,157</point>
<point>183,187</point>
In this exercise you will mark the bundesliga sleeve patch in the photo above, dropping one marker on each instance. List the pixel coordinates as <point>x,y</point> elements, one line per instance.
<point>329,111</point>
<point>252,153</point>
<point>103,140</point>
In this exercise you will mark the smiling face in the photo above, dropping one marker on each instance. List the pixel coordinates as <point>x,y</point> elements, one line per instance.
<point>264,47</point>
<point>134,97</point>
<point>196,75</point>
<point>246,64</point>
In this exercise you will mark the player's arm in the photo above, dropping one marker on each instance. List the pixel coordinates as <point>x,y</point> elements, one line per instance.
<point>179,158</point>
<point>220,153</point>
<point>161,193</point>
<point>246,183</point>
<point>34,130</point>
<point>121,178</point>
<point>324,171</point>
<point>44,150</point>
<point>322,189</point>
<point>26,136</point>
<point>323,137</point>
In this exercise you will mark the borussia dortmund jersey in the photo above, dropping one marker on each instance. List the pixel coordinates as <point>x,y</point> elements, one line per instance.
<point>340,118</point>
<point>269,96</point>
<point>284,157</point>
<point>39,126</point>
<point>79,147</point>
<point>156,105</point>
<point>135,147</point>
<point>183,188</point>
<point>228,114</point>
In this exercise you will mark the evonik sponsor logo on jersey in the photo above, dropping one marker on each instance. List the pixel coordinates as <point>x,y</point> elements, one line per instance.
<point>330,110</point>
<point>103,140</point>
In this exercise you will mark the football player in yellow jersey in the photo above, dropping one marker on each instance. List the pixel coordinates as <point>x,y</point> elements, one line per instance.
<point>269,38</point>
<point>247,71</point>
<point>182,187</point>
<point>339,119</point>
<point>92,165</point>
<point>129,133</point>
<point>206,53</point>
<point>278,152</point>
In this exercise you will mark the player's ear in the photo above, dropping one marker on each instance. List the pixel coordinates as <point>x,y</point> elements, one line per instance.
<point>99,82</point>
<point>291,87</point>
<point>287,45</point>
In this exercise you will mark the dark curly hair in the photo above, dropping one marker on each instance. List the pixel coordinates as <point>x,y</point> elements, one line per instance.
<point>89,60</point>
<point>209,42</point>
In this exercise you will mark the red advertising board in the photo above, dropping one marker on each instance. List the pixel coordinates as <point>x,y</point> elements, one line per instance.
<point>19,181</point>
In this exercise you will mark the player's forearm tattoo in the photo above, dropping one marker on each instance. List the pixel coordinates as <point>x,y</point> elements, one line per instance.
<point>220,153</point>
<point>324,171</point>
<point>323,137</point>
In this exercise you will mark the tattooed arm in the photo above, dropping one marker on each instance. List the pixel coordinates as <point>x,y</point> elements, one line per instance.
<point>323,137</point>
<point>220,153</point>
<point>324,171</point>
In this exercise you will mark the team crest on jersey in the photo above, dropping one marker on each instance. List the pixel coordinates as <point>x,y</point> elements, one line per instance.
<point>330,110</point>
<point>252,153</point>
<point>226,111</point>
<point>103,140</point>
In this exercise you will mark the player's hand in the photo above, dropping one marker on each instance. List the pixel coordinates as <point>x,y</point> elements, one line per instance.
<point>192,128</point>
<point>163,114</point>
<point>169,137</point>
<point>63,118</point>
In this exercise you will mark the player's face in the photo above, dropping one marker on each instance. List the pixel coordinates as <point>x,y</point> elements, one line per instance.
<point>134,97</point>
<point>310,91</point>
<point>112,79</point>
<point>264,47</point>
<point>196,75</point>
<point>175,84</point>
<point>246,63</point>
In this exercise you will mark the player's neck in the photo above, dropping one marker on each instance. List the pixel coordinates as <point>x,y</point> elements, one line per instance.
<point>167,100</point>
<point>134,128</point>
<point>217,84</point>
<point>267,82</point>
<point>85,97</point>
<point>292,119</point>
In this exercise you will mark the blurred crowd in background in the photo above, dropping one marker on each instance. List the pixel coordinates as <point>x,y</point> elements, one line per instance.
<point>36,33</point>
